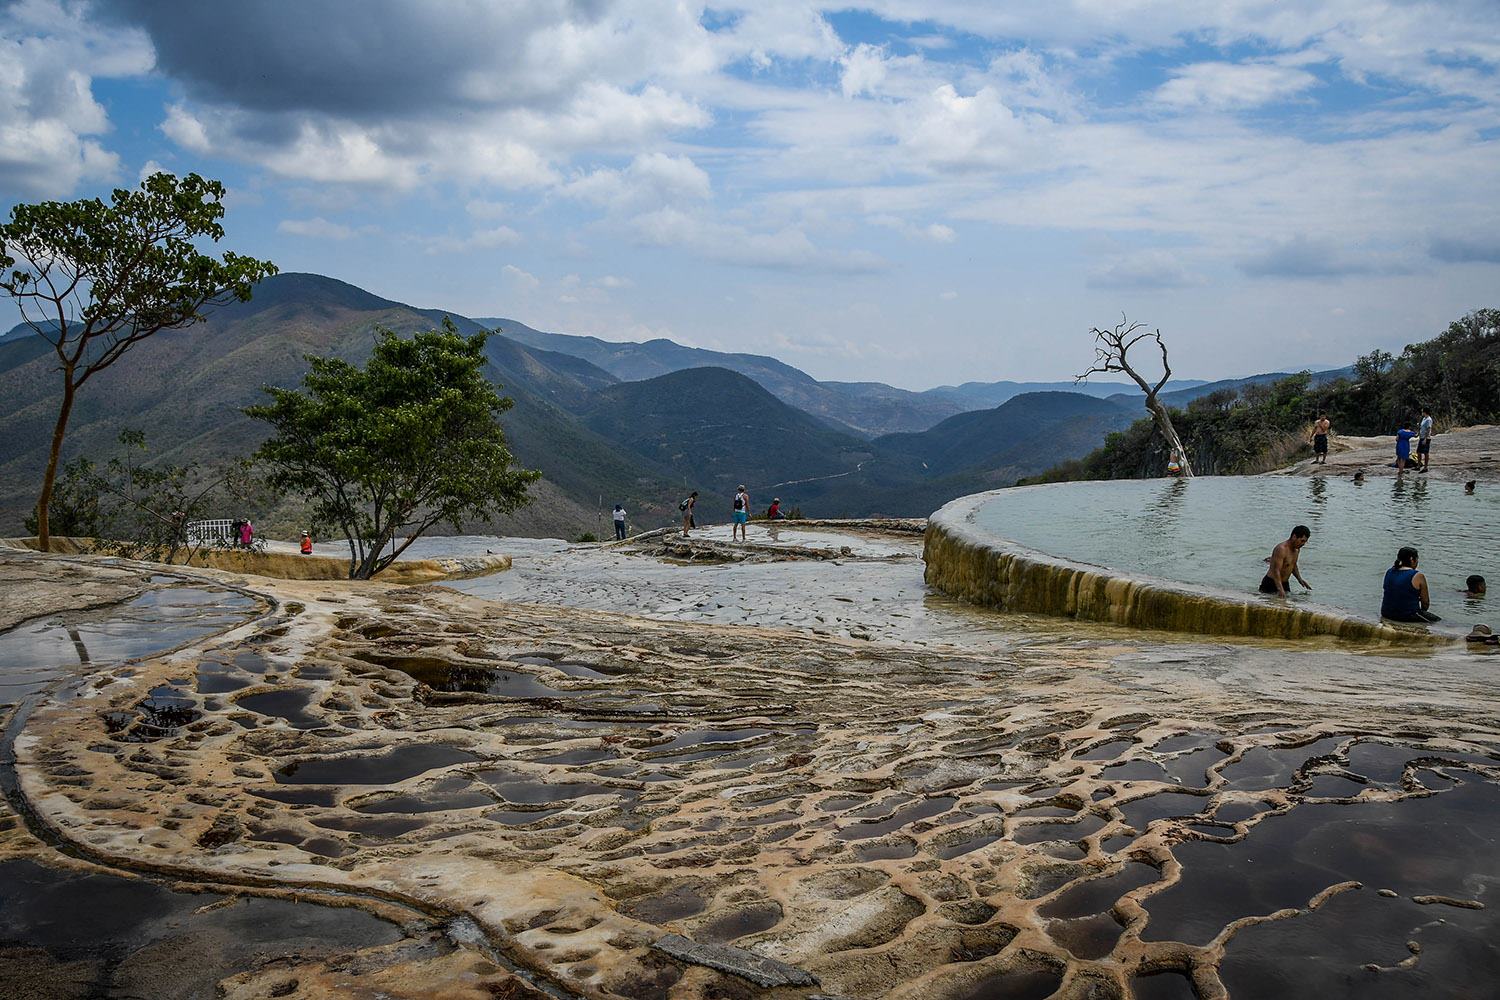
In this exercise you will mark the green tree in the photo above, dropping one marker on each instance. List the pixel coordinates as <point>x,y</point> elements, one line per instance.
<point>97,279</point>
<point>389,450</point>
<point>143,510</point>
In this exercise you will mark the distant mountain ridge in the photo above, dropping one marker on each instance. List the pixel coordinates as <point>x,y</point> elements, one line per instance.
<point>635,423</point>
<point>867,408</point>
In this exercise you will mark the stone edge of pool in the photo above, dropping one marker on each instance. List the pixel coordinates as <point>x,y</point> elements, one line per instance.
<point>986,569</point>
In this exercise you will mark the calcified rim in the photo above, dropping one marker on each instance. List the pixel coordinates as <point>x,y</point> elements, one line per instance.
<point>975,565</point>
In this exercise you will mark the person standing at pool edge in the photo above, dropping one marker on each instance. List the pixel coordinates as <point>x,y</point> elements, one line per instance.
<point>1403,448</point>
<point>1424,440</point>
<point>1320,439</point>
<point>1284,563</point>
<point>1406,598</point>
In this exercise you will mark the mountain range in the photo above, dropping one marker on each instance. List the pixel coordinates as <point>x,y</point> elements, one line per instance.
<point>639,424</point>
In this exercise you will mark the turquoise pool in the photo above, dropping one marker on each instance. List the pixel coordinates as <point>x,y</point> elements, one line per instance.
<point>1217,530</point>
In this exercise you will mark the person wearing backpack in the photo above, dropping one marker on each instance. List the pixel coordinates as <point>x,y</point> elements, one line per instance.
<point>740,515</point>
<point>687,505</point>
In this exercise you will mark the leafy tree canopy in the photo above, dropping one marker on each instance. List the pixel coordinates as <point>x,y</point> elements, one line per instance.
<point>388,450</point>
<point>95,279</point>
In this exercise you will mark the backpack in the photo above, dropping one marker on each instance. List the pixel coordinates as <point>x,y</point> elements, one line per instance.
<point>739,501</point>
<point>684,504</point>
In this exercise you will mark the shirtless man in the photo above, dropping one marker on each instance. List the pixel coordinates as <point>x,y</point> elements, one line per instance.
<point>1320,439</point>
<point>1284,564</point>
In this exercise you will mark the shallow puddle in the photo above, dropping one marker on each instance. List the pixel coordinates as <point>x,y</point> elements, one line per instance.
<point>37,653</point>
<point>1099,894</point>
<point>1020,984</point>
<point>1321,955</point>
<point>1139,813</point>
<point>383,769</point>
<point>904,816</point>
<point>1036,833</point>
<point>96,935</point>
<point>524,788</point>
<point>290,706</point>
<point>1443,844</point>
<point>1273,767</point>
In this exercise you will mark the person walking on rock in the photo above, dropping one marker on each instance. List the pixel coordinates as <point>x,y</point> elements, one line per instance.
<point>619,523</point>
<point>687,505</point>
<point>740,515</point>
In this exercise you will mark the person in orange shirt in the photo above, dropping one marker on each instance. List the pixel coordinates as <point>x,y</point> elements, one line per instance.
<point>306,544</point>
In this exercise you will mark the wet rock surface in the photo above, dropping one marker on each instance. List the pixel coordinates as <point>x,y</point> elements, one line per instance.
<point>1083,813</point>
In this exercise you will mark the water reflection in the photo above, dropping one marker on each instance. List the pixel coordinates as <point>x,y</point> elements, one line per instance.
<point>1218,531</point>
<point>1317,490</point>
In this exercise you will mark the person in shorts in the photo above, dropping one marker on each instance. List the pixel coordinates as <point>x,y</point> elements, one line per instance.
<point>740,515</point>
<point>1424,440</point>
<point>1320,439</point>
<point>686,508</point>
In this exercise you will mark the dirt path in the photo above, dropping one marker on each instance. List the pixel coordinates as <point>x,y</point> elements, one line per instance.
<point>1458,455</point>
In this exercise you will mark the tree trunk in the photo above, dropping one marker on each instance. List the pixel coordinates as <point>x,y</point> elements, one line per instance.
<point>43,527</point>
<point>1164,424</point>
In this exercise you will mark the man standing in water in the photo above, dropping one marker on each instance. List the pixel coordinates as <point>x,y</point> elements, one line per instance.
<point>1284,563</point>
<point>1320,439</point>
<point>1424,440</point>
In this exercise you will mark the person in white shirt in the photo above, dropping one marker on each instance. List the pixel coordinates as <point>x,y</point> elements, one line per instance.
<point>740,515</point>
<point>1424,440</point>
<point>619,522</point>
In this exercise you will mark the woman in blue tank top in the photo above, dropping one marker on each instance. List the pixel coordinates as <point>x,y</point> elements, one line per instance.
<point>1406,597</point>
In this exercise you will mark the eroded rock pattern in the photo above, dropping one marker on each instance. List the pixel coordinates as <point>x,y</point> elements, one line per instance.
<point>1072,817</point>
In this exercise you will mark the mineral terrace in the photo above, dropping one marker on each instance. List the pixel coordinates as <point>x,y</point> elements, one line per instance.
<point>785,771</point>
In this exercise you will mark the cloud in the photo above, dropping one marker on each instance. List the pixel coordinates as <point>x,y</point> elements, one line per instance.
<point>520,279</point>
<point>863,70</point>
<point>786,249</point>
<point>150,169</point>
<point>936,232</point>
<point>612,281</point>
<point>503,93</point>
<point>1302,257</point>
<point>1233,85</point>
<point>50,122</point>
<point>319,228</point>
<point>650,181</point>
<point>1465,250</point>
<point>481,239</point>
<point>479,208</point>
<point>1143,269</point>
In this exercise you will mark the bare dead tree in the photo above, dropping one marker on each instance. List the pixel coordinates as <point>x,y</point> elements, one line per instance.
<point>1111,355</point>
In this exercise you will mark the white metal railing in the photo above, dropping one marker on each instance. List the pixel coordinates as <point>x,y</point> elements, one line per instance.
<point>218,531</point>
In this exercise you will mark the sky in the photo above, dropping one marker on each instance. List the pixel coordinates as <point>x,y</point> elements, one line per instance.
<point>918,192</point>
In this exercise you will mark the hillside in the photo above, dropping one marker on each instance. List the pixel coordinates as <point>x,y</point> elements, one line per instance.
<point>865,408</point>
<point>713,429</point>
<point>910,475</point>
<point>186,388</point>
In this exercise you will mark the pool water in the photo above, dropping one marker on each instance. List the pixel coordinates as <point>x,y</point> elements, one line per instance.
<point>1218,530</point>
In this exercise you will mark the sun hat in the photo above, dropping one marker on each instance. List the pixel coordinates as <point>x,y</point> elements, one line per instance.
<point>1481,633</point>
